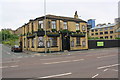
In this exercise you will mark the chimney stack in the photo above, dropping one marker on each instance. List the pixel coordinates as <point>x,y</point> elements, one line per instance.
<point>76,15</point>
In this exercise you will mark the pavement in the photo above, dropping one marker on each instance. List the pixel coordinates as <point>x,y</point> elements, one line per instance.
<point>93,63</point>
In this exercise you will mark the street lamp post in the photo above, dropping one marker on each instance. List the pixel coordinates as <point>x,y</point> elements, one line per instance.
<point>45,25</point>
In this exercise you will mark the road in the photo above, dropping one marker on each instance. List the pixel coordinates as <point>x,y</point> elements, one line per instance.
<point>94,63</point>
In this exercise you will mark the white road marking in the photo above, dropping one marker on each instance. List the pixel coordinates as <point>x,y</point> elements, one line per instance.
<point>57,58</point>
<point>9,66</point>
<point>20,57</point>
<point>106,56</point>
<point>105,70</point>
<point>58,75</point>
<point>8,53</point>
<point>4,67</point>
<point>113,69</point>
<point>95,75</point>
<point>108,66</point>
<point>10,61</point>
<point>64,61</point>
<point>14,66</point>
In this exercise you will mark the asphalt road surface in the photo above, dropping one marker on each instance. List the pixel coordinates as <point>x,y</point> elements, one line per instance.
<point>94,63</point>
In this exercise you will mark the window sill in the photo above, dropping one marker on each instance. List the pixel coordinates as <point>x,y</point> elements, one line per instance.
<point>41,46</point>
<point>78,45</point>
<point>54,46</point>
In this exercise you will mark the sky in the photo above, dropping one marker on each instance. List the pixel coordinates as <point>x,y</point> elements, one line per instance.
<point>15,13</point>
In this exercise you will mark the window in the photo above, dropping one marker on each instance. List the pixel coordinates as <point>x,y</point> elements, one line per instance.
<point>40,25</point>
<point>101,37</point>
<point>106,32</point>
<point>32,26</point>
<point>96,30</point>
<point>49,24</point>
<point>111,32</point>
<point>106,28</point>
<point>111,27</point>
<point>101,29</point>
<point>83,27</point>
<point>40,41</point>
<point>72,43</point>
<point>53,24</point>
<point>96,33</point>
<point>92,34</point>
<point>92,30</point>
<point>77,26</point>
<point>83,43</point>
<point>111,37</point>
<point>28,43</point>
<point>77,40</point>
<point>65,25</point>
<point>101,33</point>
<point>106,37</point>
<point>53,41</point>
<point>24,43</point>
<point>32,42</point>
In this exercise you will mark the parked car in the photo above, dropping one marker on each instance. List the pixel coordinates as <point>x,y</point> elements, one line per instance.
<point>16,48</point>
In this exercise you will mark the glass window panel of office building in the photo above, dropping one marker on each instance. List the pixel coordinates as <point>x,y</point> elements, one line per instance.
<point>40,24</point>
<point>53,24</point>
<point>77,26</point>
<point>65,25</point>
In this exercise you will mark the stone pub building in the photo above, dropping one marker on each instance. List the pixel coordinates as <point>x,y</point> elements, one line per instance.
<point>62,33</point>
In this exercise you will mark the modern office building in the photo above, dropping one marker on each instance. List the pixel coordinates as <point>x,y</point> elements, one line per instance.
<point>62,33</point>
<point>91,23</point>
<point>104,32</point>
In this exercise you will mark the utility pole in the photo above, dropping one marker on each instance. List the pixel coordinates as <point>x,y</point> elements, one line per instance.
<point>45,26</point>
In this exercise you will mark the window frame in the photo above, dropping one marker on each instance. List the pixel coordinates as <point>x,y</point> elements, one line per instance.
<point>77,41</point>
<point>40,24</point>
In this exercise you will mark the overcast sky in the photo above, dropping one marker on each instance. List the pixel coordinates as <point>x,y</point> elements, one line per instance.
<point>15,13</point>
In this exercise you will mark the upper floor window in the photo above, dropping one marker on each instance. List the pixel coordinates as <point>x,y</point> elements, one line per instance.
<point>92,34</point>
<point>53,24</point>
<point>96,30</point>
<point>96,33</point>
<point>101,29</point>
<point>101,33</point>
<point>111,27</point>
<point>106,32</point>
<point>40,24</point>
<point>77,26</point>
<point>92,30</point>
<point>83,27</point>
<point>65,25</point>
<point>32,26</point>
<point>106,28</point>
<point>111,32</point>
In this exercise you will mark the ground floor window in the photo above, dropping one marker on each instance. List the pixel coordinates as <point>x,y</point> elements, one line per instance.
<point>32,42</point>
<point>53,41</point>
<point>40,41</point>
<point>83,43</point>
<point>72,43</point>
<point>28,43</point>
<point>24,43</point>
<point>77,41</point>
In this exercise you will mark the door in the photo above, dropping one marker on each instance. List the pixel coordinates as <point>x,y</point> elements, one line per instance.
<point>65,42</point>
